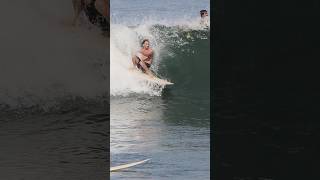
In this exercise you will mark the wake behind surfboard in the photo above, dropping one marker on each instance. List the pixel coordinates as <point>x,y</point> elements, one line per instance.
<point>155,80</point>
<point>125,166</point>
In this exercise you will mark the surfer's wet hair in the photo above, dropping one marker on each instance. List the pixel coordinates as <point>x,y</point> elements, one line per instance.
<point>143,41</point>
<point>203,11</point>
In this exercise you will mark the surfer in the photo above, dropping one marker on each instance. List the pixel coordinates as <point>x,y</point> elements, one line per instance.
<point>204,18</point>
<point>143,58</point>
<point>97,12</point>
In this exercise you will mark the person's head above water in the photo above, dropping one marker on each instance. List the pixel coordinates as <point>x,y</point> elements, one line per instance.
<point>145,44</point>
<point>203,13</point>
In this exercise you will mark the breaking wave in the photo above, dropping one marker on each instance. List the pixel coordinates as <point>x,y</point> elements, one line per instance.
<point>181,55</point>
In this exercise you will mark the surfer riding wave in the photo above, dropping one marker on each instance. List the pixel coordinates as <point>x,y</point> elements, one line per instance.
<point>143,58</point>
<point>173,45</point>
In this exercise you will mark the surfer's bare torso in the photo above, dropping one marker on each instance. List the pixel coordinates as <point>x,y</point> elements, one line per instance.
<point>143,58</point>
<point>145,55</point>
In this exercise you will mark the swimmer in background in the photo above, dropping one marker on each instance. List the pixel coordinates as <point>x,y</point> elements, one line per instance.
<point>204,21</point>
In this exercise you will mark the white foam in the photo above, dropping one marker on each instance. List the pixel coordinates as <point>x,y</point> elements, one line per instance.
<point>124,42</point>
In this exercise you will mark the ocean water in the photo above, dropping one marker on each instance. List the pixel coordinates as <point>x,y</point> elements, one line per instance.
<point>54,112</point>
<point>168,124</point>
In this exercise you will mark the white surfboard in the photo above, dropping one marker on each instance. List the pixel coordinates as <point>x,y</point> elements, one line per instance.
<point>146,77</point>
<point>125,166</point>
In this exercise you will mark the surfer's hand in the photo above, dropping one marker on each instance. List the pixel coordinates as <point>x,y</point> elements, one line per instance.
<point>148,61</point>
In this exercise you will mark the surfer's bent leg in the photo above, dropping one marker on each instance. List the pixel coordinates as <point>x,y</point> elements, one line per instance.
<point>145,68</point>
<point>135,60</point>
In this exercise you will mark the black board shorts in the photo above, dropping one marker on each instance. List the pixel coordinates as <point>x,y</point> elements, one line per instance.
<point>140,67</point>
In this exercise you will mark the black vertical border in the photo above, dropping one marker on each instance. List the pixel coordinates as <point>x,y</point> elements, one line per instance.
<point>264,92</point>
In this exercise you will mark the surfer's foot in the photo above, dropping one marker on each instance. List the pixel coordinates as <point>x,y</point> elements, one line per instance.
<point>150,74</point>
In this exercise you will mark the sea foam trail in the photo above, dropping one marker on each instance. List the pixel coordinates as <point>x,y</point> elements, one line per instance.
<point>164,37</point>
<point>43,58</point>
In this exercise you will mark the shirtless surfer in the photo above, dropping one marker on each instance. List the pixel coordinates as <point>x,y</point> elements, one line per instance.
<point>143,58</point>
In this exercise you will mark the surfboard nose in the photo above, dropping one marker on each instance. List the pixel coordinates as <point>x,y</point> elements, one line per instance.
<point>125,166</point>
